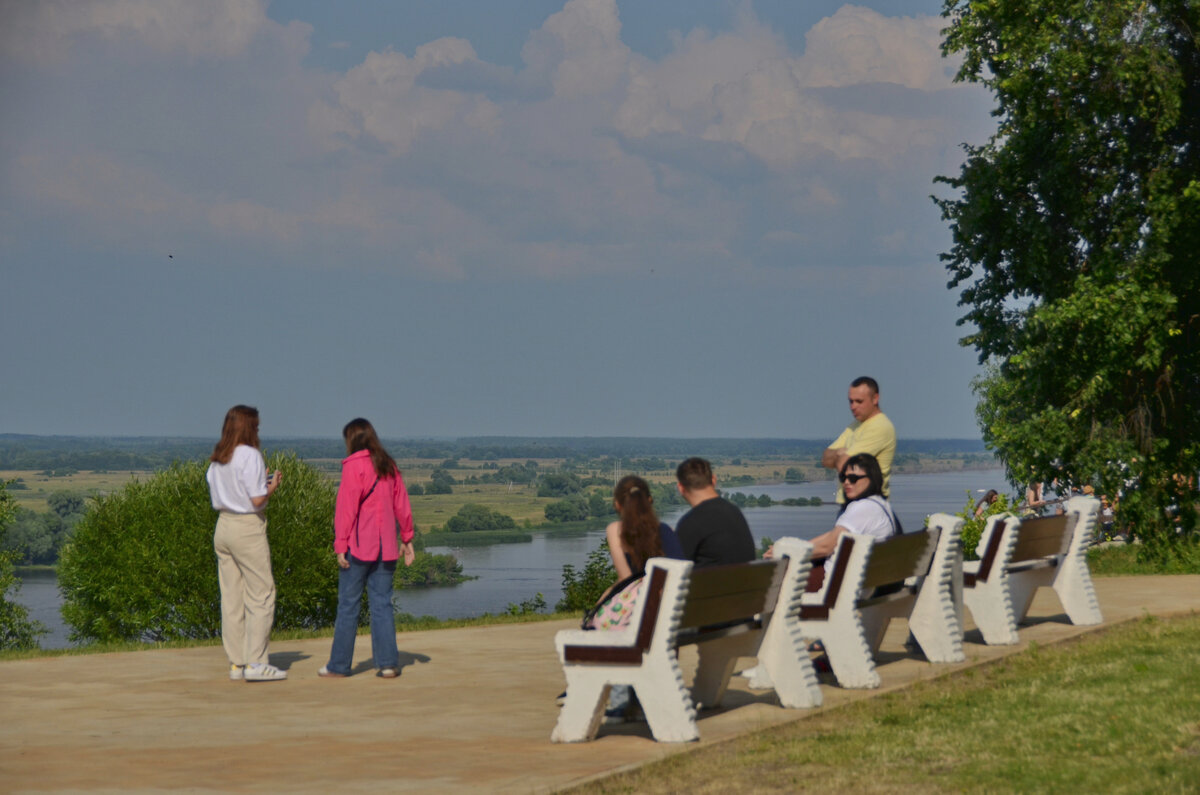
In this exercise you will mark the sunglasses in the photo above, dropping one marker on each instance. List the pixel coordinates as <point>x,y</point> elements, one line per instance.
<point>851,478</point>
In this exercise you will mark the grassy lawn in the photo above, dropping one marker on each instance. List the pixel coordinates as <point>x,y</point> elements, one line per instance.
<point>1115,711</point>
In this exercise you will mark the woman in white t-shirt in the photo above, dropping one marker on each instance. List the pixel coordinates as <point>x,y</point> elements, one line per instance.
<point>239,487</point>
<point>866,512</point>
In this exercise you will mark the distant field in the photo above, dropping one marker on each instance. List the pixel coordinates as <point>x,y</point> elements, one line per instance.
<point>39,486</point>
<point>518,501</point>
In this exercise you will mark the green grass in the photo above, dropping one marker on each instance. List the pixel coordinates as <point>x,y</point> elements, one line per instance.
<point>1122,559</point>
<point>1115,711</point>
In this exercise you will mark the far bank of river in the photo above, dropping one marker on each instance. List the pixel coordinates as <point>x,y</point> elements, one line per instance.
<point>510,573</point>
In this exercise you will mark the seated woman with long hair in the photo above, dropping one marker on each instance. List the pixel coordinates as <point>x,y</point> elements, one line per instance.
<point>633,539</point>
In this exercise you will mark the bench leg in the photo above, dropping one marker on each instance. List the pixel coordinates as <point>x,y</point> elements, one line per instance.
<point>849,656</point>
<point>1073,584</point>
<point>991,607</point>
<point>579,719</point>
<point>936,625</point>
<point>669,712</point>
<point>786,666</point>
<point>717,658</point>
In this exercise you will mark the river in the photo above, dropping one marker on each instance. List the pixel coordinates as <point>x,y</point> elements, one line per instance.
<point>509,573</point>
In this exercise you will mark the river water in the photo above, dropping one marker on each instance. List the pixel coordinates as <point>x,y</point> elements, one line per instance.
<point>509,573</point>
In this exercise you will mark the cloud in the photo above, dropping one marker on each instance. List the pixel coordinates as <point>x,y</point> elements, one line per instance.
<point>727,154</point>
<point>45,31</point>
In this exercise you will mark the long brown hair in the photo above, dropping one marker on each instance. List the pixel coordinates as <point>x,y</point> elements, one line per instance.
<point>360,435</point>
<point>241,427</point>
<point>639,522</point>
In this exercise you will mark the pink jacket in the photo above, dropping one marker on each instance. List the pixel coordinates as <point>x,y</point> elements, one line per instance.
<point>364,532</point>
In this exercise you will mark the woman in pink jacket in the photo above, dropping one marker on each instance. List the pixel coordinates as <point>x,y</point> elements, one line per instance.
<point>371,501</point>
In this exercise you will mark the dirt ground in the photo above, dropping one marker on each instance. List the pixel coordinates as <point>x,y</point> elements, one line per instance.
<point>471,712</point>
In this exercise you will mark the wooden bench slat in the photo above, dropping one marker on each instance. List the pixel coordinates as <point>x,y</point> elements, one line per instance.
<point>896,559</point>
<point>1041,537</point>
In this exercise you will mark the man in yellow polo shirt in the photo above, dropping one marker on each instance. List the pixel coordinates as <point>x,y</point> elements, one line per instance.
<point>871,432</point>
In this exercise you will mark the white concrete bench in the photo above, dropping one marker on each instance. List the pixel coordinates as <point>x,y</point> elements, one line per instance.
<point>1017,556</point>
<point>849,618</point>
<point>725,609</point>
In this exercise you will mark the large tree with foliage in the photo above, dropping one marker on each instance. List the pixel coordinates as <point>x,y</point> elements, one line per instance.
<point>1076,244</point>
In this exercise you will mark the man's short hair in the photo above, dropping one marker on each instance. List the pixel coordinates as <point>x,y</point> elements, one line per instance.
<point>694,474</point>
<point>867,381</point>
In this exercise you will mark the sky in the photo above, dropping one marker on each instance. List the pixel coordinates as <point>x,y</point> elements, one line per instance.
<point>687,218</point>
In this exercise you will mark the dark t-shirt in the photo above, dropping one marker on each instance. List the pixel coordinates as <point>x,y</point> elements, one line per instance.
<point>715,532</point>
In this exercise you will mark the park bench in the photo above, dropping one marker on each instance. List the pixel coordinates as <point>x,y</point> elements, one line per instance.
<point>724,609</point>
<point>869,583</point>
<point>1017,556</point>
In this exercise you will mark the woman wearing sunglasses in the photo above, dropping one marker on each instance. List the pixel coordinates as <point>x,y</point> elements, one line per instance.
<point>866,512</point>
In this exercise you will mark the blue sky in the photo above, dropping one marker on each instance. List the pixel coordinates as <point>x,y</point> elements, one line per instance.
<point>580,218</point>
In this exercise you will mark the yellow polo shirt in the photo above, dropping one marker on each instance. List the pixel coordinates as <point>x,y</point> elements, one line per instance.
<point>876,436</point>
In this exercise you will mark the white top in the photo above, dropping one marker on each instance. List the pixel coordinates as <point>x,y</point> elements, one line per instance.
<point>233,485</point>
<point>871,516</point>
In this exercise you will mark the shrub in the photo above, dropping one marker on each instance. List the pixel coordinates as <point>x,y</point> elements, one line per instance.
<point>581,591</point>
<point>17,630</point>
<point>973,525</point>
<point>141,564</point>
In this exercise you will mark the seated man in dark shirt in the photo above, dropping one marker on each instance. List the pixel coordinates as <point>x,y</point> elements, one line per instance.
<point>713,531</point>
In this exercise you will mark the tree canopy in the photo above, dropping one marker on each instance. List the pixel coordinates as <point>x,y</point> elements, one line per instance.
<point>1076,244</point>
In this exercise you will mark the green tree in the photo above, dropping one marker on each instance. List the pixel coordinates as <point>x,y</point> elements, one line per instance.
<point>17,630</point>
<point>559,485</point>
<point>1076,245</point>
<point>475,518</point>
<point>440,482</point>
<point>569,510</point>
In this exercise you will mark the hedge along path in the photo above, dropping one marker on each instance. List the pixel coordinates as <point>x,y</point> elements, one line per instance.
<point>472,710</point>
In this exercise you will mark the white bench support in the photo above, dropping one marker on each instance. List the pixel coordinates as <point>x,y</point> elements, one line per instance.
<point>727,610</point>
<point>1017,557</point>
<point>935,621</point>
<point>1069,577</point>
<point>651,667</point>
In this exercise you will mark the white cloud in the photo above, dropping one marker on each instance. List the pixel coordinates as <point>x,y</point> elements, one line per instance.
<point>730,151</point>
<point>381,98</point>
<point>579,49</point>
<point>46,30</point>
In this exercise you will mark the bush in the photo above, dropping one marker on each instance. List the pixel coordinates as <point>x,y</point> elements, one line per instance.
<point>17,630</point>
<point>973,526</point>
<point>581,591</point>
<point>141,564</point>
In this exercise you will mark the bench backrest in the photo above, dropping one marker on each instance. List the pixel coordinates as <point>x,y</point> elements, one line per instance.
<point>908,555</point>
<point>721,594</point>
<point>1042,537</point>
<point>898,558</point>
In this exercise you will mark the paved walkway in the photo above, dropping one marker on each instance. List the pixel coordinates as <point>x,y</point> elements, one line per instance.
<point>471,712</point>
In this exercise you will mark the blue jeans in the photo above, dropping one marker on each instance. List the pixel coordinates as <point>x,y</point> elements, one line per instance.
<point>376,576</point>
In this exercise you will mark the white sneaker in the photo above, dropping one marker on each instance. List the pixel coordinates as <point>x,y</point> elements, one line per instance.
<point>237,672</point>
<point>264,672</point>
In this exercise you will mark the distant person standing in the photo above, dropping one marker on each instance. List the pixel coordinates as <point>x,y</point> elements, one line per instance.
<point>871,432</point>
<point>714,531</point>
<point>371,501</point>
<point>240,488</point>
